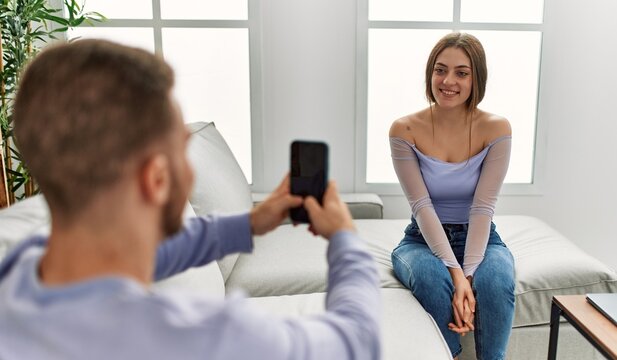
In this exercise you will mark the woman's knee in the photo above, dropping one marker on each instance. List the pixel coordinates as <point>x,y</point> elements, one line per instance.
<point>497,286</point>
<point>495,275</point>
<point>420,270</point>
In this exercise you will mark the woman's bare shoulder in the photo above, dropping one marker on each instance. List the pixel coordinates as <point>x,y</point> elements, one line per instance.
<point>492,126</point>
<point>410,125</point>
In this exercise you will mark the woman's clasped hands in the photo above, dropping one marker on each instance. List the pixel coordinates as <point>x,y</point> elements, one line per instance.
<point>463,303</point>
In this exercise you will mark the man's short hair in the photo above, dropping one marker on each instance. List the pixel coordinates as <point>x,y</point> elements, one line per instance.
<point>86,109</point>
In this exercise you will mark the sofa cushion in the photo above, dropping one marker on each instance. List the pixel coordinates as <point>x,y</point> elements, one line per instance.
<point>220,185</point>
<point>548,264</point>
<point>401,315</point>
<point>290,261</point>
<point>287,261</point>
<point>206,280</point>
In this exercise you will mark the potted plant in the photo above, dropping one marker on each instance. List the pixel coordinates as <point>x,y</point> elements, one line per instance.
<point>26,26</point>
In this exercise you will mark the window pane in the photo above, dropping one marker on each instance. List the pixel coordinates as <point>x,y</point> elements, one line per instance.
<point>138,37</point>
<point>121,9</point>
<point>513,59</point>
<point>212,82</point>
<point>205,9</point>
<point>410,10</point>
<point>502,11</point>
<point>396,88</point>
<point>396,63</point>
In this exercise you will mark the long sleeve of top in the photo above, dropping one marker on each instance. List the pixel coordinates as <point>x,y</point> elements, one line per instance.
<point>407,170</point>
<point>121,319</point>
<point>494,169</point>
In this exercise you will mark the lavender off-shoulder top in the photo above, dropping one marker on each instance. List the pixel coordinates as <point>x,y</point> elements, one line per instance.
<point>441,192</point>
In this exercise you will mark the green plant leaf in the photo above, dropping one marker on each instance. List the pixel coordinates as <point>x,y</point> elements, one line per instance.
<point>13,172</point>
<point>24,25</point>
<point>56,19</point>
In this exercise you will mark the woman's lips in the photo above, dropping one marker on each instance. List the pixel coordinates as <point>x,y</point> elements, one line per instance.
<point>449,93</point>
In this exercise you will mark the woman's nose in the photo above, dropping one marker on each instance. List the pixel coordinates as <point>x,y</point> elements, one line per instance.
<point>448,79</point>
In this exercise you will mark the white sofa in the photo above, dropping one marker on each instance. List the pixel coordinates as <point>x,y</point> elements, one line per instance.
<point>286,273</point>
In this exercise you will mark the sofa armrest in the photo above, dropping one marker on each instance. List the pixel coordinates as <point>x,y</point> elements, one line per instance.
<point>364,205</point>
<point>361,205</point>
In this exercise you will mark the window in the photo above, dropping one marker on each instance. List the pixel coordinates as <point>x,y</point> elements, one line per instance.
<point>208,43</point>
<point>395,38</point>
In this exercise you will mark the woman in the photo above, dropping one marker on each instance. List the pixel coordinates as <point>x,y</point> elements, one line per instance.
<point>451,159</point>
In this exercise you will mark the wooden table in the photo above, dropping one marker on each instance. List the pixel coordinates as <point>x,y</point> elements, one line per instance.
<point>594,326</point>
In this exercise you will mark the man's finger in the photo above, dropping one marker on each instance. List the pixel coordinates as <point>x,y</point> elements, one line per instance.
<point>312,206</point>
<point>331,193</point>
<point>288,201</point>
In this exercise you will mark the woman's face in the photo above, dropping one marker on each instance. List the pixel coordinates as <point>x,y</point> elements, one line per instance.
<point>451,82</point>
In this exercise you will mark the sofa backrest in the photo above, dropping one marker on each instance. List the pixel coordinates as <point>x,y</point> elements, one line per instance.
<point>22,220</point>
<point>220,185</point>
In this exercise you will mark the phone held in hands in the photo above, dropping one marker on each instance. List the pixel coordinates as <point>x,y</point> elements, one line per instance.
<point>308,174</point>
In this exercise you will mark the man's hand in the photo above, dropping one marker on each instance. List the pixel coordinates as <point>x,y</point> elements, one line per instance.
<point>334,216</point>
<point>270,213</point>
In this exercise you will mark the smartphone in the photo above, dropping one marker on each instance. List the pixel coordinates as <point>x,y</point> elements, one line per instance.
<point>309,174</point>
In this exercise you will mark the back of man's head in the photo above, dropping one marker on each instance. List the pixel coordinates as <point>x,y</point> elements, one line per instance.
<point>84,111</point>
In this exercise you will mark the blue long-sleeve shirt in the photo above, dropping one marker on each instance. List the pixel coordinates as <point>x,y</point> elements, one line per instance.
<point>114,317</point>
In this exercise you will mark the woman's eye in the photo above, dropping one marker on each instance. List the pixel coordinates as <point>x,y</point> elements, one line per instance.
<point>439,71</point>
<point>462,74</point>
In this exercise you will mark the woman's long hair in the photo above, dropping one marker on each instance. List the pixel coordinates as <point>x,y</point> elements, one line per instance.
<point>479,73</point>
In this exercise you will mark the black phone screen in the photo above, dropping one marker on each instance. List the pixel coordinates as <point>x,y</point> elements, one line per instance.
<point>309,173</point>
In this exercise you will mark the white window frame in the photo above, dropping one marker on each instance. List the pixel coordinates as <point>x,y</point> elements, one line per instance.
<point>253,24</point>
<point>362,31</point>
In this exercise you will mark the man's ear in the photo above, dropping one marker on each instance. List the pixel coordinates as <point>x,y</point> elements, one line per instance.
<point>155,179</point>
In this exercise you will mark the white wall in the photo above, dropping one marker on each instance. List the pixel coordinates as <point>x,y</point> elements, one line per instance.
<point>308,74</point>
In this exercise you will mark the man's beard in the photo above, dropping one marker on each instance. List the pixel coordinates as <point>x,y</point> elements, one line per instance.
<point>172,212</point>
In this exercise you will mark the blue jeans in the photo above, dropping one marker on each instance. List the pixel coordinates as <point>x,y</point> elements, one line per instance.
<point>493,285</point>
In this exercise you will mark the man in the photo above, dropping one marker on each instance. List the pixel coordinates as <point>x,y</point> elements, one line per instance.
<point>101,133</point>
